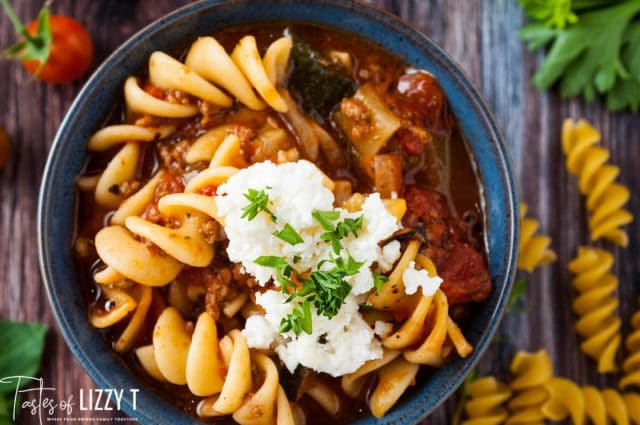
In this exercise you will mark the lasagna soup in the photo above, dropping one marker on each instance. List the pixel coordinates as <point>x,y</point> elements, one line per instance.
<point>281,224</point>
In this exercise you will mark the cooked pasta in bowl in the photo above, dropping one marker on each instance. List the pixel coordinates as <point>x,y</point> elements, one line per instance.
<point>267,219</point>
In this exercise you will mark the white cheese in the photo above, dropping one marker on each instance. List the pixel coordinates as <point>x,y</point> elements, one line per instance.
<point>414,279</point>
<point>382,329</point>
<point>295,191</point>
<point>325,349</point>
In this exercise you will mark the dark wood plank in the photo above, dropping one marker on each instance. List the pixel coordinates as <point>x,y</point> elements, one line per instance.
<point>482,37</point>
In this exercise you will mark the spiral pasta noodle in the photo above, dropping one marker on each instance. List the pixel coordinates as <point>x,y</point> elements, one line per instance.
<point>588,404</point>
<point>631,365</point>
<point>486,403</point>
<point>605,198</point>
<point>531,372</point>
<point>596,306</point>
<point>534,249</point>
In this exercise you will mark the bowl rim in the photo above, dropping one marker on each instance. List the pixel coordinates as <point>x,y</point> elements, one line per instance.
<point>369,12</point>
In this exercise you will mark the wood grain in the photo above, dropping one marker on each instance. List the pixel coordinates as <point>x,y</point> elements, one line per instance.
<point>482,37</point>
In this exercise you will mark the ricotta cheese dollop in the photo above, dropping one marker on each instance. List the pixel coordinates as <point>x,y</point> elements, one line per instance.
<point>295,191</point>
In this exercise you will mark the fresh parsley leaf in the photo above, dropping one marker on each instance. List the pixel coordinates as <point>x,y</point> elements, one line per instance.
<point>258,202</point>
<point>325,219</point>
<point>330,291</point>
<point>554,13</point>
<point>296,259</point>
<point>283,270</point>
<point>343,229</point>
<point>378,280</point>
<point>300,320</point>
<point>22,345</point>
<point>289,235</point>
<point>594,55</point>
<point>518,293</point>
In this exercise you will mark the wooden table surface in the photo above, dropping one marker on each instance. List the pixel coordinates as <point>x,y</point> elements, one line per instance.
<point>481,36</point>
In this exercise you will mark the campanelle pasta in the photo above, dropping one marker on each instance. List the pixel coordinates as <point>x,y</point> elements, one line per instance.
<point>236,223</point>
<point>486,403</point>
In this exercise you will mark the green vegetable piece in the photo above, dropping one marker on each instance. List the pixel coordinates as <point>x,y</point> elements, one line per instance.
<point>289,235</point>
<point>379,280</point>
<point>300,320</point>
<point>554,13</point>
<point>586,58</point>
<point>519,291</point>
<point>325,219</point>
<point>626,93</point>
<point>22,345</point>
<point>316,82</point>
<point>283,270</point>
<point>258,202</point>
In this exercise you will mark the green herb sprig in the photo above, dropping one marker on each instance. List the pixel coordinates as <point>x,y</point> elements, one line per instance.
<point>336,232</point>
<point>594,48</point>
<point>258,202</point>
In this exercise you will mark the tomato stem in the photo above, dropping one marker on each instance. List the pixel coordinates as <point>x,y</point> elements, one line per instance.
<point>36,47</point>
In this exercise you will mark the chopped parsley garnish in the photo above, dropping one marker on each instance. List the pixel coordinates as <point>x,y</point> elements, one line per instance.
<point>298,321</point>
<point>336,232</point>
<point>289,235</point>
<point>283,270</point>
<point>325,219</point>
<point>378,280</point>
<point>258,202</point>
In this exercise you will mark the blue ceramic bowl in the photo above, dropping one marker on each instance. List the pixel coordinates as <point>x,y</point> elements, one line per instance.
<point>56,209</point>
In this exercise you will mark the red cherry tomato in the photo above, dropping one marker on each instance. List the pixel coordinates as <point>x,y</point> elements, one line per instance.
<point>71,51</point>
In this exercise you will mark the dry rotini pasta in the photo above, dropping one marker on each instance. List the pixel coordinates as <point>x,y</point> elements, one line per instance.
<point>534,249</point>
<point>596,305</point>
<point>531,371</point>
<point>486,402</point>
<point>605,198</point>
<point>631,365</point>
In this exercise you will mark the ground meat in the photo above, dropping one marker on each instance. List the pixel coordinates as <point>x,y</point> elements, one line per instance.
<point>178,97</point>
<point>169,183</point>
<point>212,115</point>
<point>212,231</point>
<point>172,154</point>
<point>127,189</point>
<point>218,282</point>
<point>458,259</point>
<point>241,278</point>
<point>154,91</point>
<point>412,138</point>
<point>357,112</point>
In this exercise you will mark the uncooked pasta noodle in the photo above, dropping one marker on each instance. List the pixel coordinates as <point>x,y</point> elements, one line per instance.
<point>631,364</point>
<point>596,305</point>
<point>605,199</point>
<point>531,372</point>
<point>272,261</point>
<point>486,402</point>
<point>534,248</point>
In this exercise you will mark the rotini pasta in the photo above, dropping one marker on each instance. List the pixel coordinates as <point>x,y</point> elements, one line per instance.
<point>605,198</point>
<point>531,372</point>
<point>596,305</point>
<point>631,365</point>
<point>534,249</point>
<point>486,403</point>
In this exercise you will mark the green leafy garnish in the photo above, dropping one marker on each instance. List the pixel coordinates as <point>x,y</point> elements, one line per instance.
<point>258,202</point>
<point>330,291</point>
<point>379,279</point>
<point>463,393</point>
<point>554,13</point>
<point>325,219</point>
<point>598,53</point>
<point>341,230</point>
<point>289,235</point>
<point>298,321</point>
<point>283,270</point>
<point>514,305</point>
<point>21,355</point>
